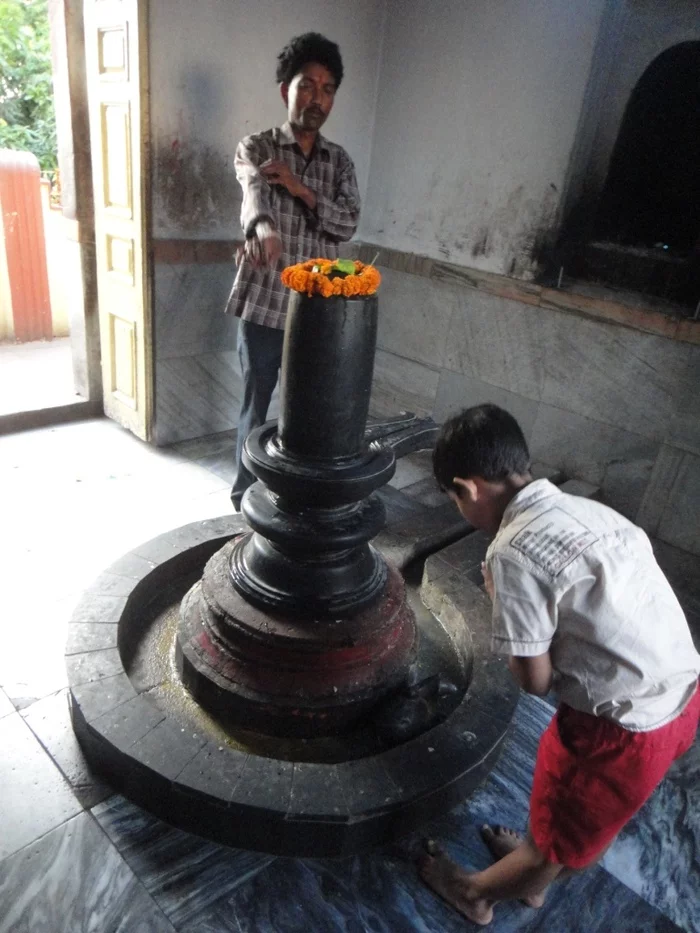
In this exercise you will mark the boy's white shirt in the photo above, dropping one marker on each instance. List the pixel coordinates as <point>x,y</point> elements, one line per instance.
<point>575,578</point>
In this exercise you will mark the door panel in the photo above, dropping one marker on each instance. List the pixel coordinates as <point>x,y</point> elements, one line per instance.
<point>116,40</point>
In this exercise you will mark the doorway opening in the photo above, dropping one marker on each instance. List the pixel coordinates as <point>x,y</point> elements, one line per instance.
<point>47,346</point>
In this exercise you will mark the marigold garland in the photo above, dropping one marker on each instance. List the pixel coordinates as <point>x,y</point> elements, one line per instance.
<point>302,278</point>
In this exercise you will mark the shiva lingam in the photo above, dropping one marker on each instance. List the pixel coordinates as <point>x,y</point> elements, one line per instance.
<point>259,679</point>
<point>300,627</point>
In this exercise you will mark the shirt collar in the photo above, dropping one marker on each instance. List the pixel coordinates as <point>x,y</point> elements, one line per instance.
<point>287,138</point>
<point>528,496</point>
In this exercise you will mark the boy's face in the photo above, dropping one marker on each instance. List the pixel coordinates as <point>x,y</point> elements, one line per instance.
<point>477,503</point>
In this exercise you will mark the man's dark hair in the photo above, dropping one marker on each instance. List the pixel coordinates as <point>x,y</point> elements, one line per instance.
<point>311,47</point>
<point>482,441</point>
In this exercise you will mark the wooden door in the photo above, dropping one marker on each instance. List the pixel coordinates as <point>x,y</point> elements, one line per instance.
<point>117,75</point>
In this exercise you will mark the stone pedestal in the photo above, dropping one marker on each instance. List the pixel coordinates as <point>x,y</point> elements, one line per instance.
<point>300,626</point>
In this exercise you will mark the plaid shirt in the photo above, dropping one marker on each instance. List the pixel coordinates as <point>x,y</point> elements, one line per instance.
<point>258,294</point>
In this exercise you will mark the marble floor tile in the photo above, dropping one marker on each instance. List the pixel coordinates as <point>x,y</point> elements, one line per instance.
<point>73,880</point>
<point>398,506</point>
<point>37,374</point>
<point>207,446</point>
<point>6,706</point>
<point>35,797</point>
<point>505,796</point>
<point>376,894</point>
<point>382,894</point>
<point>186,875</point>
<point>49,719</point>
<point>411,469</point>
<point>656,856</point>
<point>83,451</point>
<point>681,568</point>
<point>222,464</point>
<point>31,668</point>
<point>427,492</point>
<point>658,852</point>
<point>109,493</point>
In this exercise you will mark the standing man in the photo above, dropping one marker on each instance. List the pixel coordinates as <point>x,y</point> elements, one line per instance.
<point>300,199</point>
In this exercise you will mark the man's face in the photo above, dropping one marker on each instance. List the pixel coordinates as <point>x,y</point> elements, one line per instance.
<point>309,97</point>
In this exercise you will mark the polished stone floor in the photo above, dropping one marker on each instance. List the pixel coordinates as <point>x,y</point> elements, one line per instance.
<point>38,374</point>
<point>75,856</point>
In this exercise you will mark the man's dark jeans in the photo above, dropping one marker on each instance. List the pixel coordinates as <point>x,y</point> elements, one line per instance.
<point>260,353</point>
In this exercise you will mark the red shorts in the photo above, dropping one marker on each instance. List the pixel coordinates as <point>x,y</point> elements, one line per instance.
<point>591,777</point>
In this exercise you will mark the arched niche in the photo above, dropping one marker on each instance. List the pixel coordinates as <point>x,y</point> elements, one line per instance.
<point>651,198</point>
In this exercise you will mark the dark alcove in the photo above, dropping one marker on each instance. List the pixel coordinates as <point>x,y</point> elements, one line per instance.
<point>652,194</point>
<point>642,233</point>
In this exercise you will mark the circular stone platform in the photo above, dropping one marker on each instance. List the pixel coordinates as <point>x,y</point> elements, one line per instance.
<point>238,793</point>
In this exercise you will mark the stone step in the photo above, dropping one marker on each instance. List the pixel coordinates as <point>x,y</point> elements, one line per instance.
<point>420,518</point>
<point>578,487</point>
<point>545,471</point>
<point>422,533</point>
<point>459,564</point>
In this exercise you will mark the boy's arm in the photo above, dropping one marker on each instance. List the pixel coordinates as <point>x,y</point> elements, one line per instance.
<point>533,674</point>
<point>524,622</point>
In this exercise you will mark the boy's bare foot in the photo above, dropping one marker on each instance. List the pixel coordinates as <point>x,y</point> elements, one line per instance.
<point>501,841</point>
<point>453,885</point>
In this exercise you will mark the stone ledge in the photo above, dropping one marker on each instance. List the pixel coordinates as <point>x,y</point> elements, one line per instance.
<point>638,315</point>
<point>192,252</point>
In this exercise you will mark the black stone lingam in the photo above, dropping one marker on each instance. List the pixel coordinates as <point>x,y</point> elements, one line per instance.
<point>301,627</point>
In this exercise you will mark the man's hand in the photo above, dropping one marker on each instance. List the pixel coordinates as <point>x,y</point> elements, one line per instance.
<point>277,172</point>
<point>262,250</point>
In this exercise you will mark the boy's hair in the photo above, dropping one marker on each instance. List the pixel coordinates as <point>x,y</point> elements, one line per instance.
<point>482,441</point>
<point>311,47</point>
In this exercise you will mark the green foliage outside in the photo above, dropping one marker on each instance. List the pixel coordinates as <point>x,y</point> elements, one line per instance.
<point>27,119</point>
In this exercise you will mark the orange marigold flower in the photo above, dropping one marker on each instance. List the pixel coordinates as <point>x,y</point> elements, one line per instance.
<point>302,278</point>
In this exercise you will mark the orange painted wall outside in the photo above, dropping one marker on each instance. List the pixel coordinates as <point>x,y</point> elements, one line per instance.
<point>24,244</point>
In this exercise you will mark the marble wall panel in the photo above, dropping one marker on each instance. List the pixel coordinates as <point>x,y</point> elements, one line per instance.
<point>457,391</point>
<point>499,341</point>
<point>196,395</point>
<point>627,476</point>
<point>402,385</point>
<point>618,461</point>
<point>685,427</point>
<point>610,396</point>
<point>414,317</point>
<point>189,303</point>
<point>680,520</point>
<point>661,481</point>
<point>614,375</point>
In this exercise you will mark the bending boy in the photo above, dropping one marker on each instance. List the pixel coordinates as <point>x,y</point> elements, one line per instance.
<point>581,606</point>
